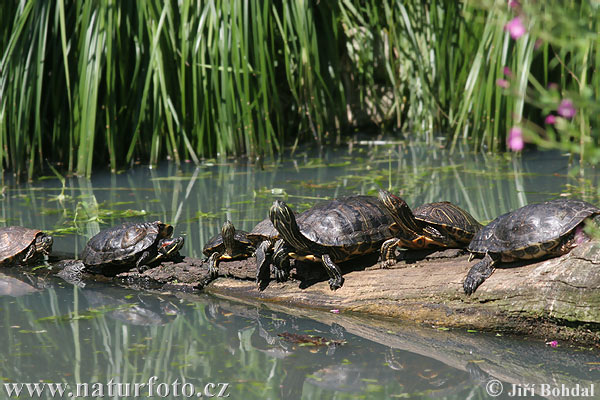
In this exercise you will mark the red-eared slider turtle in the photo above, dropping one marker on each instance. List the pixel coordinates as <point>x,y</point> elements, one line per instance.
<point>241,244</point>
<point>230,244</point>
<point>21,246</point>
<point>263,237</point>
<point>132,244</point>
<point>430,226</point>
<point>537,230</point>
<point>334,231</point>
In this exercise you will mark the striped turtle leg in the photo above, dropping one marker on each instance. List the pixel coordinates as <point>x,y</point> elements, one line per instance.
<point>213,264</point>
<point>335,274</point>
<point>388,252</point>
<point>479,273</point>
<point>281,260</point>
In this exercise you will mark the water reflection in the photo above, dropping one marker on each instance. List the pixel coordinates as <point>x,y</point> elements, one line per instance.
<point>97,333</point>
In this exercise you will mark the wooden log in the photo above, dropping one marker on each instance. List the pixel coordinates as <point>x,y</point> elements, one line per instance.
<point>557,298</point>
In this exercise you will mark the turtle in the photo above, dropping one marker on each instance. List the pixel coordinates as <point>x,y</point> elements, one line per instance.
<point>537,230</point>
<point>230,244</point>
<point>264,236</point>
<point>130,245</point>
<point>23,246</point>
<point>429,226</point>
<point>334,231</point>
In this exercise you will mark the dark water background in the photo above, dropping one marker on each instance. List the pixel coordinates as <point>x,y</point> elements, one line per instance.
<point>55,332</point>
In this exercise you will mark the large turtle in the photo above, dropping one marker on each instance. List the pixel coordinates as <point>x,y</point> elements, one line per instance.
<point>430,226</point>
<point>230,244</point>
<point>334,231</point>
<point>22,246</point>
<point>130,245</point>
<point>534,231</point>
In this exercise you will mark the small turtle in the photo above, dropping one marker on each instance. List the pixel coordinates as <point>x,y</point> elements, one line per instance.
<point>22,246</point>
<point>430,226</point>
<point>230,244</point>
<point>264,236</point>
<point>130,245</point>
<point>334,231</point>
<point>534,231</point>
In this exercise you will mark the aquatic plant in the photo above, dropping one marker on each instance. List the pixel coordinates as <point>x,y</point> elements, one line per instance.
<point>115,83</point>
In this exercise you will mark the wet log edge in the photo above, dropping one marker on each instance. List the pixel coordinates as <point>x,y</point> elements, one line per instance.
<point>557,298</point>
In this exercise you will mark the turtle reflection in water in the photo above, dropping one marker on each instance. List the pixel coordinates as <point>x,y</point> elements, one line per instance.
<point>130,245</point>
<point>23,246</point>
<point>534,231</point>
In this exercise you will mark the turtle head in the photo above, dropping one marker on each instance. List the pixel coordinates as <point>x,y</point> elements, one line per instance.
<point>169,247</point>
<point>43,243</point>
<point>284,221</point>
<point>400,211</point>
<point>228,235</point>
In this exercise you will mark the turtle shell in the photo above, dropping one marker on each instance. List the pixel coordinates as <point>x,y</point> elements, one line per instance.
<point>353,226</point>
<point>123,244</point>
<point>533,230</point>
<point>15,242</point>
<point>448,219</point>
<point>264,230</point>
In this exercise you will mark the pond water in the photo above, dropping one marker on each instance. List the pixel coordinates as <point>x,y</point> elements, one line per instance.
<point>58,333</point>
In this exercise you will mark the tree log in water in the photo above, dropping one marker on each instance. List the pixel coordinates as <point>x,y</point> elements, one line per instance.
<point>557,298</point>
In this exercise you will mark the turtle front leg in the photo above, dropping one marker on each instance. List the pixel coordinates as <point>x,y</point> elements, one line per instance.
<point>142,263</point>
<point>335,274</point>
<point>213,265</point>
<point>263,262</point>
<point>281,261</point>
<point>478,274</point>
<point>388,252</point>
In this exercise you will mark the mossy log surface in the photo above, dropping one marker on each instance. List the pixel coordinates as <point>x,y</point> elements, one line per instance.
<point>557,298</point>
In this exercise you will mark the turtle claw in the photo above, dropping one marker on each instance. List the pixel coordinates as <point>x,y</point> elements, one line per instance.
<point>336,283</point>
<point>385,264</point>
<point>281,275</point>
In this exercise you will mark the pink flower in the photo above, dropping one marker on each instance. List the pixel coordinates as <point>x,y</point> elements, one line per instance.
<point>550,119</point>
<point>507,72</point>
<point>503,83</point>
<point>515,27</point>
<point>566,109</point>
<point>515,139</point>
<point>553,343</point>
<point>513,4</point>
<point>335,311</point>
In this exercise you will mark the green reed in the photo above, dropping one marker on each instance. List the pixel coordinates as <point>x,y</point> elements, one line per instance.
<point>113,83</point>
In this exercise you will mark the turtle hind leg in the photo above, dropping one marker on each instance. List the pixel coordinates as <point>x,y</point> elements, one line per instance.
<point>335,274</point>
<point>478,274</point>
